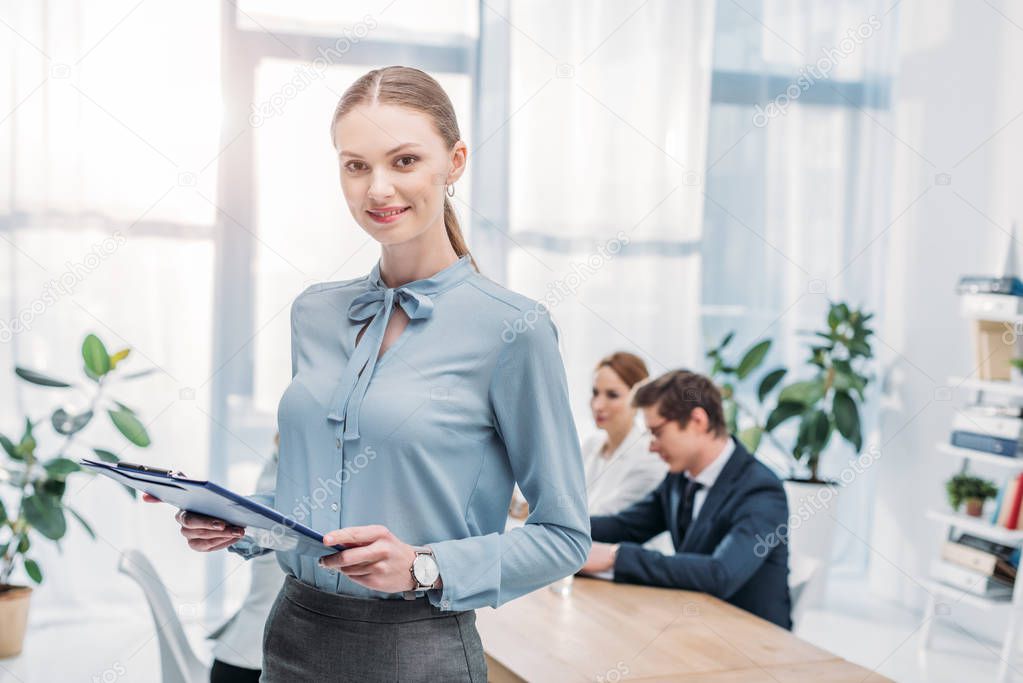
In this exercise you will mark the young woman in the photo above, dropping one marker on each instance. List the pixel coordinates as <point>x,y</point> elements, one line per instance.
<point>620,470</point>
<point>420,395</point>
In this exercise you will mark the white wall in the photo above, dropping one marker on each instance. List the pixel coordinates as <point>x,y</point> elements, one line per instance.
<point>957,94</point>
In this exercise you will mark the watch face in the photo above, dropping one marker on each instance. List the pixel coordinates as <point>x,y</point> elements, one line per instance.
<point>424,568</point>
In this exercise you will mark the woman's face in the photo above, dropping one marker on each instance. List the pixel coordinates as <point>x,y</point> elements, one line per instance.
<point>394,170</point>
<point>610,401</point>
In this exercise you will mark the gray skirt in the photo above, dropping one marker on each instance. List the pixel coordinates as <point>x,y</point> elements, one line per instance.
<point>313,635</point>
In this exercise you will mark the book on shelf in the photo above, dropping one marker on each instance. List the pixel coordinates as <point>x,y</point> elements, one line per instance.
<point>993,410</point>
<point>1012,501</point>
<point>1002,551</point>
<point>969,581</point>
<point>996,426</point>
<point>977,560</point>
<point>985,443</point>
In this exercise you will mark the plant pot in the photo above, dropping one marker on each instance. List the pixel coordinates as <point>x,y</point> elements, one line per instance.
<point>974,507</point>
<point>13,618</point>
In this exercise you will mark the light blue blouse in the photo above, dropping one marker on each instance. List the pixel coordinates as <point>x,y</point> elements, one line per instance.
<point>430,439</point>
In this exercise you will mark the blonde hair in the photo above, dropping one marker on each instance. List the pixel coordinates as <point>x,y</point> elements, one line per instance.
<point>407,87</point>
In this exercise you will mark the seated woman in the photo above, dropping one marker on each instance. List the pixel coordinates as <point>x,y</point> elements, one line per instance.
<point>619,467</point>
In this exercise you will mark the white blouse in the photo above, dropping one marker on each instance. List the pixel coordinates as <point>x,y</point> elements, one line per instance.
<point>615,482</point>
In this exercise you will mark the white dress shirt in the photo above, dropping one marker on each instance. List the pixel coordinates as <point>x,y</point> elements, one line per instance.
<point>616,481</point>
<point>710,474</point>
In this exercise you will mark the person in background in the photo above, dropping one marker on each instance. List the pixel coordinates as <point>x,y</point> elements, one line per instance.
<point>619,469</point>
<point>717,501</point>
<point>238,648</point>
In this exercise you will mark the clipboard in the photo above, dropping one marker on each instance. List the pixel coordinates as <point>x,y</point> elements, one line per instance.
<point>206,498</point>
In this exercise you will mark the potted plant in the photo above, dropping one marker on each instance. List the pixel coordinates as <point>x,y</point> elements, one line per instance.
<point>973,490</point>
<point>826,402</point>
<point>35,483</point>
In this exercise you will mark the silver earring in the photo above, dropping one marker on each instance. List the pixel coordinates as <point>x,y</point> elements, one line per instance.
<point>451,191</point>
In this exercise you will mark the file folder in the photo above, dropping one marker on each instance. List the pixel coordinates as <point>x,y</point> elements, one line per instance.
<point>213,500</point>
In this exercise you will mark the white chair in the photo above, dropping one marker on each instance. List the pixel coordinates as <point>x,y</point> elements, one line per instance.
<point>178,661</point>
<point>803,572</point>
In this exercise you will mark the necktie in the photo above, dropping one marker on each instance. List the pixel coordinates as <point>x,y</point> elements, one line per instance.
<point>376,305</point>
<point>685,510</point>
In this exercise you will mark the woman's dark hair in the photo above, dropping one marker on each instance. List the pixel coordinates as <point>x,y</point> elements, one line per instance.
<point>677,393</point>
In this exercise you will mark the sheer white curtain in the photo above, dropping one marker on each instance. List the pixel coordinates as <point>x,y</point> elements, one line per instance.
<point>608,134</point>
<point>109,125</point>
<point>798,191</point>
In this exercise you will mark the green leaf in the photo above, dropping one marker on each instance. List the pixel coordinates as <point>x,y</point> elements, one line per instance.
<point>106,456</point>
<point>39,378</point>
<point>753,358</point>
<point>10,448</point>
<point>806,393</point>
<point>67,424</point>
<point>52,487</point>
<point>27,446</point>
<point>131,492</point>
<point>858,347</point>
<point>782,412</point>
<point>130,426</point>
<point>750,438</point>
<point>124,407</point>
<point>140,373</point>
<point>59,468</point>
<point>97,360</point>
<point>84,524</point>
<point>32,569</point>
<point>814,432</point>
<point>724,342</point>
<point>847,419</point>
<point>118,357</point>
<point>24,544</point>
<point>3,515</point>
<point>45,514</point>
<point>769,382</point>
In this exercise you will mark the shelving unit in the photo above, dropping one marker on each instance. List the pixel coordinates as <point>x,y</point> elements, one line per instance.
<point>955,523</point>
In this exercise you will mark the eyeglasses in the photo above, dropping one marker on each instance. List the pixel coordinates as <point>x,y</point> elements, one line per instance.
<point>656,431</point>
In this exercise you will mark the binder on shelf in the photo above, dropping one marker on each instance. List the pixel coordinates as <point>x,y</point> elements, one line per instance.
<point>985,443</point>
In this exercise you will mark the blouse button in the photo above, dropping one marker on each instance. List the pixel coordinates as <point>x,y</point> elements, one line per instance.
<point>333,506</point>
<point>337,442</point>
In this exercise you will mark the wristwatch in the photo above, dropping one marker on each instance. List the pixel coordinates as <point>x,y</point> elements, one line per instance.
<point>424,571</point>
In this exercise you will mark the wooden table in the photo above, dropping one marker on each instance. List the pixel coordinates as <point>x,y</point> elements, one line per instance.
<point>610,632</point>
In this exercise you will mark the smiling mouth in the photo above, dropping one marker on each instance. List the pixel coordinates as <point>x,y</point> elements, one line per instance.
<point>390,213</point>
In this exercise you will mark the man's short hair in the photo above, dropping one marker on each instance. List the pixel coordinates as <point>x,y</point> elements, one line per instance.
<point>676,393</point>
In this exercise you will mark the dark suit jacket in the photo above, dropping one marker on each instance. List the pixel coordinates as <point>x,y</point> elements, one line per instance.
<point>728,550</point>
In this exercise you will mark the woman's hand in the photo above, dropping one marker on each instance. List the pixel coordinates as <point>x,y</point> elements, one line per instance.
<point>204,534</point>
<point>375,558</point>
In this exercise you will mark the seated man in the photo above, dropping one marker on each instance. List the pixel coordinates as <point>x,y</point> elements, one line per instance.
<point>717,501</point>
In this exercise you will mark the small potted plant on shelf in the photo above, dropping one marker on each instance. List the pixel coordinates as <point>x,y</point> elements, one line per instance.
<point>1016,370</point>
<point>33,484</point>
<point>973,490</point>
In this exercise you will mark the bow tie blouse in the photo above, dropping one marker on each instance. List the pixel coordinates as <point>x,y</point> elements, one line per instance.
<point>430,438</point>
